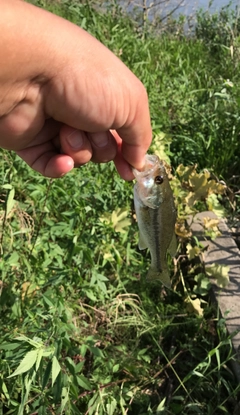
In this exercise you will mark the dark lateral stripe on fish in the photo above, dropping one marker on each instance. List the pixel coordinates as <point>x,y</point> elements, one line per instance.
<point>157,239</point>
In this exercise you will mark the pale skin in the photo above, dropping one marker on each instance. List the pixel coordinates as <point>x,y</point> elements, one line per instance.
<point>65,99</point>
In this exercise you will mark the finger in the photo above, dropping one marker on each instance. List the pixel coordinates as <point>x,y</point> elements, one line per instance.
<point>75,144</point>
<point>104,146</point>
<point>43,155</point>
<point>136,133</point>
<point>122,166</point>
<point>44,159</point>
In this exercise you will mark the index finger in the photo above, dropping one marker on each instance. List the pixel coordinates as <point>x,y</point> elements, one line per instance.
<point>136,134</point>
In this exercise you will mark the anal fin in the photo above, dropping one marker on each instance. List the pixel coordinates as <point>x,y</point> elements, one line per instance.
<point>142,243</point>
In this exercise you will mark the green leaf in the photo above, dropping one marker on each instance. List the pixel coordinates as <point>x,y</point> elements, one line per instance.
<point>26,364</point>
<point>35,342</point>
<point>46,374</point>
<point>13,259</point>
<point>203,284</point>
<point>119,220</point>
<point>7,186</point>
<point>70,365</point>
<point>64,398</point>
<point>84,382</point>
<point>93,403</point>
<point>214,204</point>
<point>10,201</point>
<point>111,406</point>
<point>161,407</point>
<point>39,357</point>
<point>56,369</point>
<point>9,346</point>
<point>5,391</point>
<point>192,252</point>
<point>197,373</point>
<point>193,305</point>
<point>96,351</point>
<point>219,273</point>
<point>115,368</point>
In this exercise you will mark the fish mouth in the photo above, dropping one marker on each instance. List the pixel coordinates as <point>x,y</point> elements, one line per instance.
<point>152,162</point>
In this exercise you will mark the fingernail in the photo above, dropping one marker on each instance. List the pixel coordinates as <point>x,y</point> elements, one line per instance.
<point>100,139</point>
<point>75,140</point>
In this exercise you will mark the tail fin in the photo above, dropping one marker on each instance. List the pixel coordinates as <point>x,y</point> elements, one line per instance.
<point>163,276</point>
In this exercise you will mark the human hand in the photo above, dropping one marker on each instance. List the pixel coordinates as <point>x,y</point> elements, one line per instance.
<point>66,99</point>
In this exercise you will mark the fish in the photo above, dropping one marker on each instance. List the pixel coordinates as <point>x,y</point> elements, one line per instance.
<point>156,216</point>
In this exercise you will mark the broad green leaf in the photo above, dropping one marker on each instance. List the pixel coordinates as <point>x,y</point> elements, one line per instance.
<point>26,364</point>
<point>7,186</point>
<point>83,349</point>
<point>93,404</point>
<point>9,346</point>
<point>193,306</point>
<point>100,277</point>
<point>214,204</point>
<point>90,295</point>
<point>119,220</point>
<point>56,369</point>
<point>115,368</point>
<point>35,342</point>
<point>199,184</point>
<point>219,273</point>
<point>192,251</point>
<point>13,259</point>
<point>111,406</point>
<point>48,352</point>
<point>203,284</point>
<point>48,301</point>
<point>84,382</point>
<point>185,171</point>
<point>79,367</point>
<point>64,398</point>
<point>96,351</point>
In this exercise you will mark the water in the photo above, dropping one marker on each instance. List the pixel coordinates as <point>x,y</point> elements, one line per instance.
<point>190,6</point>
<point>216,5</point>
<point>164,8</point>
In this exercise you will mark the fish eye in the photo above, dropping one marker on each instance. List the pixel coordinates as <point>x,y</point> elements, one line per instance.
<point>158,179</point>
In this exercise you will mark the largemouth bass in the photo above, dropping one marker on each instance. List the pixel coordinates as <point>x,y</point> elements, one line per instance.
<point>156,216</point>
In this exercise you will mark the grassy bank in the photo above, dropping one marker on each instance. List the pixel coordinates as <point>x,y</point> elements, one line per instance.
<point>81,332</point>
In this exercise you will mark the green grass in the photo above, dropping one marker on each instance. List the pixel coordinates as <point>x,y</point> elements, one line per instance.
<point>81,332</point>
